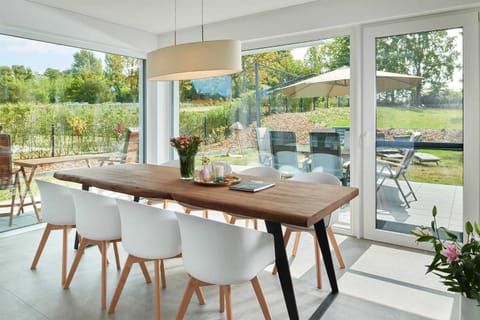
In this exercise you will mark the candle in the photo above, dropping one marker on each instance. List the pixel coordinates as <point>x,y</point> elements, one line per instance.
<point>218,173</point>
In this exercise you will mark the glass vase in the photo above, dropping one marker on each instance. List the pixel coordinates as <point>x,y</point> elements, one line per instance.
<point>187,166</point>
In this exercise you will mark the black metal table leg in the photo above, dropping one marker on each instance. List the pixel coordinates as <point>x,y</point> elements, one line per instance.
<point>321,233</point>
<point>283,268</point>
<point>327,256</point>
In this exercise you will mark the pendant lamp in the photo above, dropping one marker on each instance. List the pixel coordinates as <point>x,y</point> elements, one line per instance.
<point>194,60</point>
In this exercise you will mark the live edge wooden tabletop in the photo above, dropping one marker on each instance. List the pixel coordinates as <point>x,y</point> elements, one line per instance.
<point>292,202</point>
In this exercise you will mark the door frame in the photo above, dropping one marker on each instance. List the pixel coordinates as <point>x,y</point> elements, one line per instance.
<point>469,22</point>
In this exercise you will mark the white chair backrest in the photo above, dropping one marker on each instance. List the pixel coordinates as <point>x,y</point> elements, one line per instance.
<point>57,203</point>
<point>96,216</point>
<point>149,232</point>
<point>322,178</point>
<point>267,172</point>
<point>221,253</point>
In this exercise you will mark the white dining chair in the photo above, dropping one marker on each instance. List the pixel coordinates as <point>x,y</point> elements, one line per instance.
<point>322,178</point>
<point>264,172</point>
<point>216,253</point>
<point>58,211</point>
<point>148,234</point>
<point>98,223</point>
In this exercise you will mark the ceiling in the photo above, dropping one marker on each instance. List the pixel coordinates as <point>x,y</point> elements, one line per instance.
<point>158,16</point>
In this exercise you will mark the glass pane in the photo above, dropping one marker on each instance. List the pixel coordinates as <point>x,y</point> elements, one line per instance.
<point>419,130</point>
<point>59,102</point>
<point>238,115</point>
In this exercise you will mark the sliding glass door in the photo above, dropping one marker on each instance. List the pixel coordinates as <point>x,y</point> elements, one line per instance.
<point>417,92</point>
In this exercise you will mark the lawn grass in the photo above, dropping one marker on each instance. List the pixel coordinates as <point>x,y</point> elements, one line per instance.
<point>449,170</point>
<point>426,118</point>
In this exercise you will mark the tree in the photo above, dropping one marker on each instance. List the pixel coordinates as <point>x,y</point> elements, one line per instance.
<point>329,55</point>
<point>122,75</point>
<point>90,88</point>
<point>85,62</point>
<point>431,55</point>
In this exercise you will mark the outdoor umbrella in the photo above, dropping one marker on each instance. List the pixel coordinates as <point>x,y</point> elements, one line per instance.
<point>337,83</point>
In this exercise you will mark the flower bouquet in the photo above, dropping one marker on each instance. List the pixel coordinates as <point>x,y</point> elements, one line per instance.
<point>456,263</point>
<point>187,148</point>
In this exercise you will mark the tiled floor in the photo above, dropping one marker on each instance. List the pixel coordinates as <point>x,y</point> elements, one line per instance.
<point>448,199</point>
<point>379,282</point>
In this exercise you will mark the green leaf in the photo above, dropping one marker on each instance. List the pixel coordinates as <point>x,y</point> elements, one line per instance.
<point>468,227</point>
<point>449,234</point>
<point>477,228</point>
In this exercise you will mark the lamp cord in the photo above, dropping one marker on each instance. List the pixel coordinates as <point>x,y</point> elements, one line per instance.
<point>175,23</point>
<point>202,20</point>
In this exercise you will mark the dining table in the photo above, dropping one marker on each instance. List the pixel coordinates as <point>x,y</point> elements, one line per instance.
<point>290,202</point>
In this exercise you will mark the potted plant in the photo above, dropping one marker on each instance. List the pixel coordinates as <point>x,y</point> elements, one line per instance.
<point>457,264</point>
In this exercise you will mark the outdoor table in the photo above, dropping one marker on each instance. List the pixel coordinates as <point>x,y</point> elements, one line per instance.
<point>33,164</point>
<point>289,202</point>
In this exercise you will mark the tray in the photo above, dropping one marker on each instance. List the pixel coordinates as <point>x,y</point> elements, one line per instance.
<point>228,181</point>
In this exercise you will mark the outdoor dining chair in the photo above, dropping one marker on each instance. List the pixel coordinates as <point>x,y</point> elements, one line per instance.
<point>396,170</point>
<point>216,253</point>
<point>284,152</point>
<point>9,177</point>
<point>326,153</point>
<point>58,211</point>
<point>263,146</point>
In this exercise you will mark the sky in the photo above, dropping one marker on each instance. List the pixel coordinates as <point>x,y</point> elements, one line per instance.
<point>36,55</point>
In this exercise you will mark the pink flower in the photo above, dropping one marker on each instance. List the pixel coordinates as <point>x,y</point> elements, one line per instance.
<point>451,252</point>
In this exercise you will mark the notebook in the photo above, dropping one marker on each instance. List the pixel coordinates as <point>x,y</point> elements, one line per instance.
<point>252,185</point>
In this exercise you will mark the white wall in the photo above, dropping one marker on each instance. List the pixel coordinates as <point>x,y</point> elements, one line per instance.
<point>30,20</point>
<point>296,24</point>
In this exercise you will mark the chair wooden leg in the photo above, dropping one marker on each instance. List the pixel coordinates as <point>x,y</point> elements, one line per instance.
<point>200,296</point>
<point>261,298</point>
<point>318,266</point>
<point>247,222</point>
<point>334,243</point>
<point>157,266</point>
<point>121,283</point>
<point>41,245</point>
<point>12,206</point>
<point>76,261</point>
<point>222,299</point>
<point>226,217</point>
<point>296,243</point>
<point>104,275</point>
<point>66,231</point>
<point>117,256</point>
<point>187,210</point>
<point>191,287</point>
<point>233,220</point>
<point>162,273</point>
<point>205,214</point>
<point>228,302</point>
<point>145,272</point>
<point>255,224</point>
